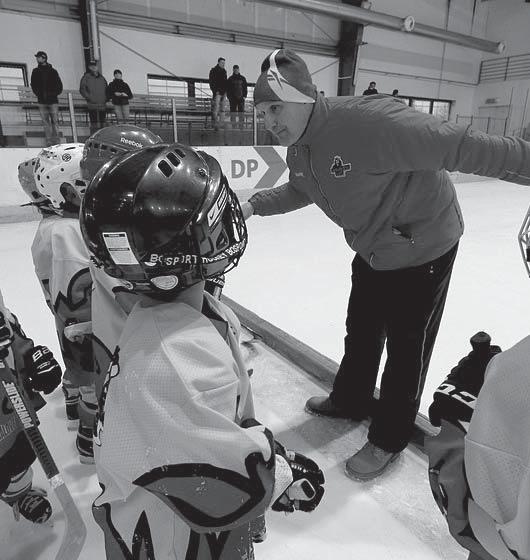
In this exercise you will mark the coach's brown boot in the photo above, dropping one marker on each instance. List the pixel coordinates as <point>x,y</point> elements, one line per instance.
<point>322,406</point>
<point>369,462</point>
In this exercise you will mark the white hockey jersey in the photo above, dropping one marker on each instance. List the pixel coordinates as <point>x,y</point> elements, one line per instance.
<point>61,264</point>
<point>180,478</point>
<point>497,456</point>
<point>111,305</point>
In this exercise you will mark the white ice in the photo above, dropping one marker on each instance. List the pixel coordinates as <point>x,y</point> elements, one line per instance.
<point>296,275</point>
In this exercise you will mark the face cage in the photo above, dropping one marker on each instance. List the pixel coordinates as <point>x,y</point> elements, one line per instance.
<point>524,241</point>
<point>141,276</point>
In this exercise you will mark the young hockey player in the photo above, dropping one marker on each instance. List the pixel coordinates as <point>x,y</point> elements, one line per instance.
<point>180,475</point>
<point>61,264</point>
<point>36,370</point>
<point>480,461</point>
<point>111,301</point>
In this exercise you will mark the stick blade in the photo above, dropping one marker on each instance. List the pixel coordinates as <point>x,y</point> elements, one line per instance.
<point>75,529</point>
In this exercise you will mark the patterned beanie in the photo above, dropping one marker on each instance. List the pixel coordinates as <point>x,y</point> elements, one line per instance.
<point>284,77</point>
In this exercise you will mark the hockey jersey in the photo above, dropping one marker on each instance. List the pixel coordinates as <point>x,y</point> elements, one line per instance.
<point>180,477</point>
<point>112,302</point>
<point>497,456</point>
<point>61,262</point>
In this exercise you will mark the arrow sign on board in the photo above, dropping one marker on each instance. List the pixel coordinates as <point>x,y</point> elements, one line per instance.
<point>276,166</point>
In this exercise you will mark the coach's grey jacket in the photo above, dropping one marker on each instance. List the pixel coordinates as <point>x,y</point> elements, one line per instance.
<point>377,168</point>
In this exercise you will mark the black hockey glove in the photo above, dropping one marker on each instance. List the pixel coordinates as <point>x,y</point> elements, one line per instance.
<point>306,490</point>
<point>6,335</point>
<point>44,372</point>
<point>455,398</point>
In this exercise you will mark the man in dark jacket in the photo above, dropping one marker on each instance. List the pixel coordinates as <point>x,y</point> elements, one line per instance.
<point>93,87</point>
<point>46,85</point>
<point>217,80</point>
<point>119,93</point>
<point>236,91</point>
<point>371,89</point>
<point>377,168</point>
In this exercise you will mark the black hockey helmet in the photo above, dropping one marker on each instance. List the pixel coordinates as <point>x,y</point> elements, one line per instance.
<point>163,218</point>
<point>112,141</point>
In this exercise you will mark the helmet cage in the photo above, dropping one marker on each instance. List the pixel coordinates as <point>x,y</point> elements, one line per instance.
<point>524,241</point>
<point>27,182</point>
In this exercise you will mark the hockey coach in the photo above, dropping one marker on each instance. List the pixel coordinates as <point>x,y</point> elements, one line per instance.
<point>378,169</point>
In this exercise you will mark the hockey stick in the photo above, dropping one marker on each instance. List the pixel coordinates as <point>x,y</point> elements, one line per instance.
<point>75,531</point>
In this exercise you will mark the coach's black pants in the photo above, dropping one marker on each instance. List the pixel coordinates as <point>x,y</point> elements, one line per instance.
<point>403,307</point>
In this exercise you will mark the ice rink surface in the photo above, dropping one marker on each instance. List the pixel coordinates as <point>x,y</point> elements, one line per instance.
<point>295,274</point>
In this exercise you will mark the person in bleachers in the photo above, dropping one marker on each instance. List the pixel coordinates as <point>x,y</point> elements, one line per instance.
<point>93,88</point>
<point>46,85</point>
<point>236,91</point>
<point>218,81</point>
<point>119,94</point>
<point>371,89</point>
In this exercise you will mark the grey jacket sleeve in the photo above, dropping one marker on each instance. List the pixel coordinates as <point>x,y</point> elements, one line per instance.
<point>400,139</point>
<point>279,200</point>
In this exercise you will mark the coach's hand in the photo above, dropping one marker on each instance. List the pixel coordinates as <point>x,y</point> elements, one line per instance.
<point>247,209</point>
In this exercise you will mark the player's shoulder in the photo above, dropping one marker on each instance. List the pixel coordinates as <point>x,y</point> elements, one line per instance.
<point>178,327</point>
<point>66,239</point>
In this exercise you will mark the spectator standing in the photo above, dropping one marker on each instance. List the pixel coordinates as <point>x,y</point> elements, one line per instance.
<point>46,85</point>
<point>236,91</point>
<point>395,93</point>
<point>93,87</point>
<point>218,82</point>
<point>119,93</point>
<point>371,89</point>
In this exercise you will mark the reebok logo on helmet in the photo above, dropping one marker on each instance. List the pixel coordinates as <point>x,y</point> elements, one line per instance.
<point>131,143</point>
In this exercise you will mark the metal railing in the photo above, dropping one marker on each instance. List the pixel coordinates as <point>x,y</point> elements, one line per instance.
<point>184,119</point>
<point>491,125</point>
<point>507,68</point>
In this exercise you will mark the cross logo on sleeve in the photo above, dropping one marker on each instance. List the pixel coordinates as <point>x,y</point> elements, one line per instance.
<point>339,168</point>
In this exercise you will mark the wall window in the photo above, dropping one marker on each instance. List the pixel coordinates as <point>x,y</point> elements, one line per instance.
<point>12,76</point>
<point>423,105</point>
<point>189,88</point>
<point>440,108</point>
<point>166,85</point>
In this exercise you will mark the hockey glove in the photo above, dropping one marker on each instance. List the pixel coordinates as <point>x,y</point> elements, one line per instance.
<point>306,490</point>
<point>455,398</point>
<point>6,335</point>
<point>44,372</point>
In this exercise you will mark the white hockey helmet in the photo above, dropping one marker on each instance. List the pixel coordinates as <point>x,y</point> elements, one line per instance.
<point>57,174</point>
<point>524,240</point>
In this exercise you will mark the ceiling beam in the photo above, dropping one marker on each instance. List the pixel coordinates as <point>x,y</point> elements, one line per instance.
<point>407,24</point>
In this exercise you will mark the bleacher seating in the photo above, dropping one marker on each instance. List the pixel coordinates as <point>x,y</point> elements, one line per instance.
<point>20,121</point>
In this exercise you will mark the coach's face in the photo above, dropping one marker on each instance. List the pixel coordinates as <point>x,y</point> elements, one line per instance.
<point>286,120</point>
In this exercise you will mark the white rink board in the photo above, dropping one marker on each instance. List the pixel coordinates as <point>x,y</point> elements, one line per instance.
<point>246,167</point>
